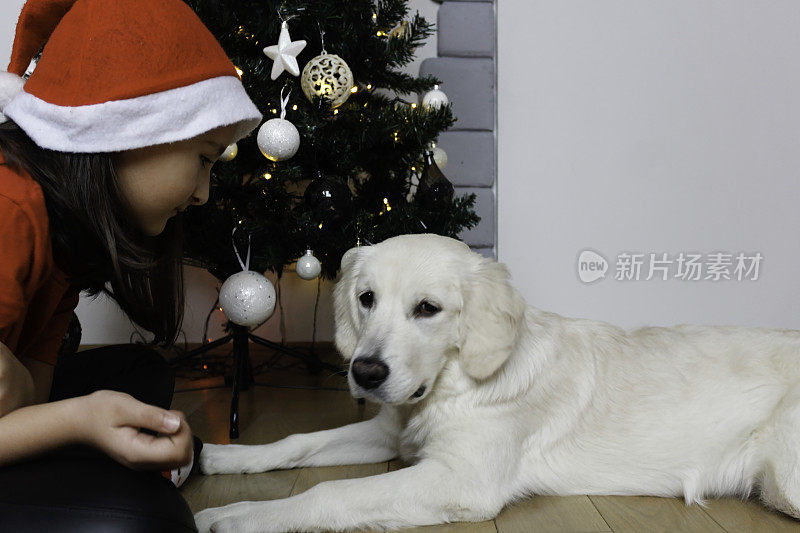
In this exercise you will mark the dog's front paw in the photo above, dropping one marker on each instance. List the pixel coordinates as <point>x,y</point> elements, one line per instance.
<point>232,459</point>
<point>219,459</point>
<point>229,519</point>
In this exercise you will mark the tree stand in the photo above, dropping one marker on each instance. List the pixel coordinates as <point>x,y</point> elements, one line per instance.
<point>243,367</point>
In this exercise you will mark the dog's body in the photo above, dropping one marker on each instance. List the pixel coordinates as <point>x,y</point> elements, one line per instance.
<point>492,400</point>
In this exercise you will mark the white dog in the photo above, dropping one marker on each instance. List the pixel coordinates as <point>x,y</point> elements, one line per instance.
<point>492,400</point>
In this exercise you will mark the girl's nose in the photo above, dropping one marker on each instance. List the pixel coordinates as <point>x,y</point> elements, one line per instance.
<point>200,196</point>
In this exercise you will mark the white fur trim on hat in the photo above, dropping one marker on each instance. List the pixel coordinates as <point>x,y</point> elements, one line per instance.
<point>158,118</point>
<point>10,86</point>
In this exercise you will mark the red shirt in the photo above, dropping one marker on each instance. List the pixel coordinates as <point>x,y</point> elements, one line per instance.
<point>36,301</point>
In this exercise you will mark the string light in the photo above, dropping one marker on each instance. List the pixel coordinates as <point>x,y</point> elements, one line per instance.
<point>320,226</point>
<point>335,111</point>
<point>374,16</point>
<point>369,86</point>
<point>354,89</point>
<point>380,33</point>
<point>274,111</point>
<point>267,176</point>
<point>294,107</point>
<point>239,72</point>
<point>413,106</point>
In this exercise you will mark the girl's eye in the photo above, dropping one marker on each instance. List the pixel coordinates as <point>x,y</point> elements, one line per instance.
<point>367,299</point>
<point>426,309</point>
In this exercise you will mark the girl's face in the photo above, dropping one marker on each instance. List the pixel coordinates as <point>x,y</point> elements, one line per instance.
<point>159,181</point>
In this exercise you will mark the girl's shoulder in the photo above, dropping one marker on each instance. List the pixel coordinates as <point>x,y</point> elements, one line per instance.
<point>21,191</point>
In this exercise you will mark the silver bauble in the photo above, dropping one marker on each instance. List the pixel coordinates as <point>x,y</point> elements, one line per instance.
<point>308,266</point>
<point>247,298</point>
<point>278,139</point>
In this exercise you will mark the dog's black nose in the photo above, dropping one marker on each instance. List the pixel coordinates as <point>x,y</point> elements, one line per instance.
<point>369,372</point>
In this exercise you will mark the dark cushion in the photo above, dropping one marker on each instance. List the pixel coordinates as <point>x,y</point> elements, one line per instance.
<point>82,490</point>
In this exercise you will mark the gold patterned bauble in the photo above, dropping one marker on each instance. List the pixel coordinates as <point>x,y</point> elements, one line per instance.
<point>327,76</point>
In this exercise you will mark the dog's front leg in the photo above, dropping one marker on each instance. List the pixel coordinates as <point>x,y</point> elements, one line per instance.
<point>370,441</point>
<point>424,494</point>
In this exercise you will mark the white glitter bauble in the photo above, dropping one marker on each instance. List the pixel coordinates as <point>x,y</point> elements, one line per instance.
<point>440,156</point>
<point>230,153</point>
<point>308,266</point>
<point>434,98</point>
<point>278,139</point>
<point>327,76</point>
<point>247,298</point>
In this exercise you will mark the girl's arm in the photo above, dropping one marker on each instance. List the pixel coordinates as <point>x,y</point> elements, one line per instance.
<point>16,384</point>
<point>107,420</point>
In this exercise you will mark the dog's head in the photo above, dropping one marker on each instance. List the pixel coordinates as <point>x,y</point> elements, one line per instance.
<point>407,305</point>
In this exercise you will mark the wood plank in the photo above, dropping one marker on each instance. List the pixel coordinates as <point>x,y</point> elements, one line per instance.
<point>734,514</point>
<point>202,492</point>
<point>187,402</point>
<point>456,527</point>
<point>551,514</point>
<point>634,514</point>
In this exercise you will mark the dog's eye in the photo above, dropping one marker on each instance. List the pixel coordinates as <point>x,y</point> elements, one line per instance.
<point>425,308</point>
<point>367,299</point>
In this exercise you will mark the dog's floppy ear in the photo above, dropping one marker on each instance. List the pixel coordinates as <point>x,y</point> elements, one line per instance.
<point>490,316</point>
<point>346,316</point>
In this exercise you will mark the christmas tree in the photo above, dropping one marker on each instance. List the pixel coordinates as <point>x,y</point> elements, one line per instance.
<point>363,170</point>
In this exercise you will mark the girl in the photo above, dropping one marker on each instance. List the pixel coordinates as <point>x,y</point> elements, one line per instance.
<point>111,137</point>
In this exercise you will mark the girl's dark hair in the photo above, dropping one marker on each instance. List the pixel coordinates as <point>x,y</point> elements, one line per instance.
<point>95,239</point>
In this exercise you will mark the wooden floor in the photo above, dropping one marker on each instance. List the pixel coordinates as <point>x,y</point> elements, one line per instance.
<point>269,413</point>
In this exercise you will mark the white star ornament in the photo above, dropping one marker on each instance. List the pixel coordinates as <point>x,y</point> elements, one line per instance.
<point>284,54</point>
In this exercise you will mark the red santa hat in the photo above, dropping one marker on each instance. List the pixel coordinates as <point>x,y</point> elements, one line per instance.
<point>120,74</point>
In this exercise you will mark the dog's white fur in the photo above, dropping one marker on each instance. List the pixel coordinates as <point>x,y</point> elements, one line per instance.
<point>519,401</point>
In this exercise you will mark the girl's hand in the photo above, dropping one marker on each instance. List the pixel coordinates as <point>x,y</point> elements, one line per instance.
<point>112,420</point>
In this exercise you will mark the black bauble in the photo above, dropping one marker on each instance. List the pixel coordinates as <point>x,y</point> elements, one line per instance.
<point>329,198</point>
<point>434,189</point>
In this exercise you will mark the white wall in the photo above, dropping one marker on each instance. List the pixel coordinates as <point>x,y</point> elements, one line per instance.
<point>650,126</point>
<point>103,322</point>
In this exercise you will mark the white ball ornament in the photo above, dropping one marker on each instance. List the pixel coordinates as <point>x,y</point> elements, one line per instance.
<point>440,156</point>
<point>278,139</point>
<point>308,266</point>
<point>230,153</point>
<point>327,76</point>
<point>247,298</point>
<point>434,99</point>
